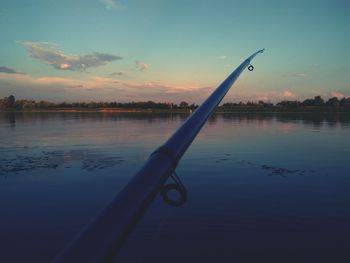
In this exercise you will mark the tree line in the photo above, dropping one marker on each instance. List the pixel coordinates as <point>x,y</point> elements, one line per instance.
<point>24,104</point>
<point>317,101</point>
<point>10,103</point>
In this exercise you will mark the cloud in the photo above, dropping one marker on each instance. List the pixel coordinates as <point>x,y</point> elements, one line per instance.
<point>166,88</point>
<point>103,88</point>
<point>112,4</point>
<point>288,94</point>
<point>51,55</point>
<point>222,57</point>
<point>298,75</point>
<point>118,74</point>
<point>8,70</point>
<point>141,65</point>
<point>337,94</point>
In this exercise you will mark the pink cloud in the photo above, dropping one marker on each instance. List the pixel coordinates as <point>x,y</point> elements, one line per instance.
<point>337,94</point>
<point>103,88</point>
<point>288,94</point>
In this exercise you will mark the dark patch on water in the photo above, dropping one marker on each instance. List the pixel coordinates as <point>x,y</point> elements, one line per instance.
<point>100,163</point>
<point>271,169</point>
<point>281,170</point>
<point>86,160</point>
<point>222,160</point>
<point>276,170</point>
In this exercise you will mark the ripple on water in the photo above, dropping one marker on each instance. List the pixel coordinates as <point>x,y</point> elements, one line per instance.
<point>87,160</point>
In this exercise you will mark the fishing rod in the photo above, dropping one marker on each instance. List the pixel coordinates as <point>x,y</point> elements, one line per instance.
<point>100,240</point>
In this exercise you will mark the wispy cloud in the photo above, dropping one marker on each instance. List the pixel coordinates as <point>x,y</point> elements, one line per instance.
<point>118,74</point>
<point>222,57</point>
<point>299,75</point>
<point>105,88</point>
<point>112,4</point>
<point>51,55</point>
<point>141,65</point>
<point>337,94</point>
<point>8,70</point>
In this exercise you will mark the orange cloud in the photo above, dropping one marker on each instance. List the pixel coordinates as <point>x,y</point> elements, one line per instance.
<point>288,94</point>
<point>337,94</point>
<point>105,88</point>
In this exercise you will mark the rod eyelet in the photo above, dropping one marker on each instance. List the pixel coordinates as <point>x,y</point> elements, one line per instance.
<point>250,67</point>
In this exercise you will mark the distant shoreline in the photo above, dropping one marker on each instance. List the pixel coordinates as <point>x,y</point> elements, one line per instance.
<point>317,104</point>
<point>77,110</point>
<point>219,110</point>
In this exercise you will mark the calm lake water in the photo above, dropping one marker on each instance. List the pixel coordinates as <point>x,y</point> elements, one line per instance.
<point>261,187</point>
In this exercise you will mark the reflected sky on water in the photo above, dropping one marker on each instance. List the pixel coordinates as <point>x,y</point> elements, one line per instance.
<point>260,186</point>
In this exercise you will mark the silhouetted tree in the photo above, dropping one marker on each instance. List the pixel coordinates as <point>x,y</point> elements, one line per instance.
<point>333,102</point>
<point>308,102</point>
<point>318,101</point>
<point>345,102</point>
<point>11,101</point>
<point>183,105</point>
<point>289,104</point>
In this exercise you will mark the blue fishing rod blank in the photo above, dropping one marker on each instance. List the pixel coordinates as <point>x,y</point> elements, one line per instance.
<point>101,239</point>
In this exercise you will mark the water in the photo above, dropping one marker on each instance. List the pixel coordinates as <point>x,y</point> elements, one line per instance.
<point>261,187</point>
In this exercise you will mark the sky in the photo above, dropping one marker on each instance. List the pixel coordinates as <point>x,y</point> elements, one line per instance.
<point>170,51</point>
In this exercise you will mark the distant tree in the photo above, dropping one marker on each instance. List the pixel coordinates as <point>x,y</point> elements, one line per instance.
<point>45,104</point>
<point>308,102</point>
<point>260,103</point>
<point>264,104</point>
<point>289,103</point>
<point>2,104</point>
<point>333,102</point>
<point>318,101</point>
<point>183,105</point>
<point>345,102</point>
<point>27,104</point>
<point>8,102</point>
<point>11,101</point>
<point>251,103</point>
<point>227,105</point>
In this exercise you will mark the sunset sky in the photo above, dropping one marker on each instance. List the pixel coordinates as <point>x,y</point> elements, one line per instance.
<point>83,50</point>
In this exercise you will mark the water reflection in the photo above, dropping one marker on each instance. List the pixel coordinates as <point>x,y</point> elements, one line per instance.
<point>12,117</point>
<point>314,119</point>
<point>309,119</point>
<point>257,182</point>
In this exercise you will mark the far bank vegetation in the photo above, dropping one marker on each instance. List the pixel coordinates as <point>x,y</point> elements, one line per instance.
<point>316,104</point>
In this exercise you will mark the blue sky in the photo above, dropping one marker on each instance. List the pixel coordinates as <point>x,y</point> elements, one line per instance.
<point>172,50</point>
